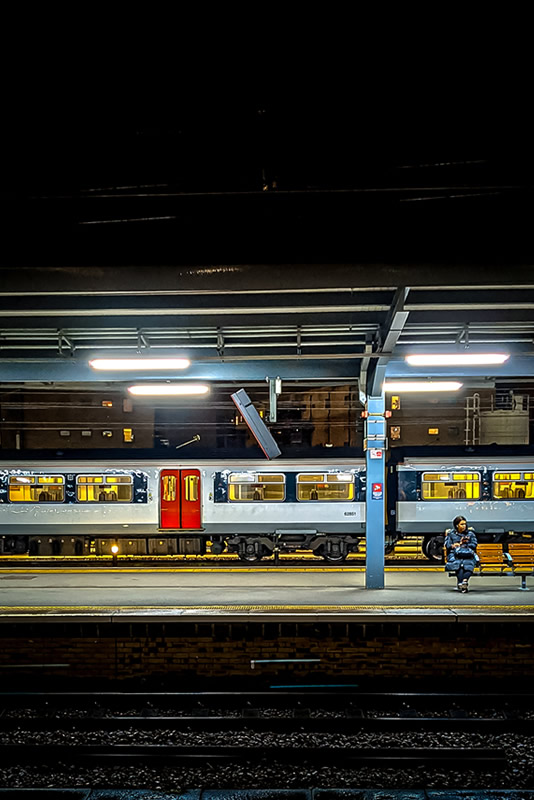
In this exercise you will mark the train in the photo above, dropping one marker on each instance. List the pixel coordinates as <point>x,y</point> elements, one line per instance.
<point>495,493</point>
<point>256,508</point>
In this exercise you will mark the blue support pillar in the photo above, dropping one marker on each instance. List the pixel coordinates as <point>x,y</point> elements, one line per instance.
<point>375,456</point>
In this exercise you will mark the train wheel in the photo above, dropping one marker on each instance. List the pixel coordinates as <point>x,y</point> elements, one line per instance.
<point>334,551</point>
<point>334,559</point>
<point>433,548</point>
<point>250,550</point>
<point>251,558</point>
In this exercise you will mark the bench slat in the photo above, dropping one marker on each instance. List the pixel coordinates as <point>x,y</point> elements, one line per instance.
<point>522,554</point>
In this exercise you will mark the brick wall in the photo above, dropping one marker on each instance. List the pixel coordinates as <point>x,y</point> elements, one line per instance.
<point>391,650</point>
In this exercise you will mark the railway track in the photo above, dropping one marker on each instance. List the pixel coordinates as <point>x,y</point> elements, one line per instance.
<point>281,712</point>
<point>292,729</point>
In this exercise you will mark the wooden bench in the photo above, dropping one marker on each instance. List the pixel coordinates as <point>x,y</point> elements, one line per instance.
<point>522,557</point>
<point>491,559</point>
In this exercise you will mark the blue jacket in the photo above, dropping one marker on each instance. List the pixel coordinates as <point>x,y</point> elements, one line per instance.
<point>452,537</point>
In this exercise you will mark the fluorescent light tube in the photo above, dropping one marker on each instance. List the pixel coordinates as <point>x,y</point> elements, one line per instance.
<point>422,386</point>
<point>135,364</point>
<point>168,389</point>
<point>455,359</point>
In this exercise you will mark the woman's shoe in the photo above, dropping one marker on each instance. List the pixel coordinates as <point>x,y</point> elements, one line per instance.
<point>464,587</point>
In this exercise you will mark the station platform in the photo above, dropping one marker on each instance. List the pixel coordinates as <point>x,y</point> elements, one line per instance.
<point>271,627</point>
<point>255,594</point>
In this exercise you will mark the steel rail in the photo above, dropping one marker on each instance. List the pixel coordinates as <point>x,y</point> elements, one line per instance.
<point>468,758</point>
<point>304,290</point>
<point>186,561</point>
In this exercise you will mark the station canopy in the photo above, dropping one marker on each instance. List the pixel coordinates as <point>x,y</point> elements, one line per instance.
<point>258,242</point>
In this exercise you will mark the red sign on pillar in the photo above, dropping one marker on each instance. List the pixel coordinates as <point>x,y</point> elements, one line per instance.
<point>378,491</point>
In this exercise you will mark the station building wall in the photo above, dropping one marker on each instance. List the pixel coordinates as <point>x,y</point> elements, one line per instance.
<point>347,652</point>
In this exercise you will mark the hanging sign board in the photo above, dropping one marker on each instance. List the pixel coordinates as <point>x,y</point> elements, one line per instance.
<point>256,425</point>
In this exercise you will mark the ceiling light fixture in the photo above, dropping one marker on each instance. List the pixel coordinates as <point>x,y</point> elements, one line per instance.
<point>141,363</point>
<point>456,359</point>
<point>168,389</point>
<point>422,386</point>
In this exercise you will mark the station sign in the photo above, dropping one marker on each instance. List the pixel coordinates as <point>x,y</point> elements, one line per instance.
<point>256,425</point>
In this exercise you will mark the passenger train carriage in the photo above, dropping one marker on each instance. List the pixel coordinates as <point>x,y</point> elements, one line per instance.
<point>496,496</point>
<point>248,508</point>
<point>252,508</point>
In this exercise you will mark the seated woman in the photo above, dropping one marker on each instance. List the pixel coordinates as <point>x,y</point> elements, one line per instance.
<point>461,545</point>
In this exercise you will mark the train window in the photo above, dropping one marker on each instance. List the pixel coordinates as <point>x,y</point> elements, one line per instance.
<point>338,486</point>
<point>104,488</point>
<point>36,488</point>
<point>169,488</point>
<point>513,485</point>
<point>250,486</point>
<point>451,486</point>
<point>191,488</point>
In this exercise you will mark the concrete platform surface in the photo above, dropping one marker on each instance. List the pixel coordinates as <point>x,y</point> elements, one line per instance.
<point>339,595</point>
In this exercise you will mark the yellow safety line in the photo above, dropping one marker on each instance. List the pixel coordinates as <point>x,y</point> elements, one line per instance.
<point>129,570</point>
<point>301,609</point>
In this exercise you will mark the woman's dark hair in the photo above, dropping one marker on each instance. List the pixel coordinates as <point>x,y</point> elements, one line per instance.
<point>456,521</point>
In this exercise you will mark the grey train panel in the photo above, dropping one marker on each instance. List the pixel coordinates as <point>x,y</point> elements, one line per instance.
<point>487,515</point>
<point>138,518</point>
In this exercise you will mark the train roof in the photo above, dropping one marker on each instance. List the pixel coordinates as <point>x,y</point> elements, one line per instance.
<point>485,452</point>
<point>467,462</point>
<point>258,464</point>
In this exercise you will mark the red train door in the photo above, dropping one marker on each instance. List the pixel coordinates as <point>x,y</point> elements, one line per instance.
<point>180,499</point>
<point>190,494</point>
